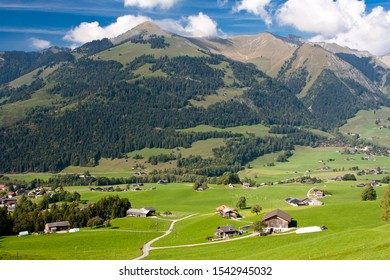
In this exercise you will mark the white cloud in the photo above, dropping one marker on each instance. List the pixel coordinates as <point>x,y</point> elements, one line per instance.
<point>257,7</point>
<point>345,22</point>
<point>222,3</point>
<point>199,25</point>
<point>164,4</point>
<point>89,31</point>
<point>39,44</point>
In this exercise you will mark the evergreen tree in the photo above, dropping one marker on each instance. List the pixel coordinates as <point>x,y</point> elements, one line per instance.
<point>369,193</point>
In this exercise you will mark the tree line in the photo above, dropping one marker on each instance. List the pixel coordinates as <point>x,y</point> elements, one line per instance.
<point>29,216</point>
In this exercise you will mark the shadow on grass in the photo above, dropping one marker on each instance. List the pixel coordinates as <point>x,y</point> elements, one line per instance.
<point>293,223</point>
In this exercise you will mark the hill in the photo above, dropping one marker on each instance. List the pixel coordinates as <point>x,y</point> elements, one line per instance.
<point>111,97</point>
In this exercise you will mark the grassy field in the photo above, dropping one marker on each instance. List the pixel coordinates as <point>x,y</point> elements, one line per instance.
<point>224,94</point>
<point>309,159</point>
<point>355,229</point>
<point>97,245</point>
<point>258,129</point>
<point>364,124</point>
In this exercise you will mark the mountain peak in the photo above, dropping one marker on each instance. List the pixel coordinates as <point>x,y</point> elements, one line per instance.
<point>146,28</point>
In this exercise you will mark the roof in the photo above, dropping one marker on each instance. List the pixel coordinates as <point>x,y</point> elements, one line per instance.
<point>59,224</point>
<point>137,211</point>
<point>227,228</point>
<point>223,207</point>
<point>149,208</point>
<point>277,213</point>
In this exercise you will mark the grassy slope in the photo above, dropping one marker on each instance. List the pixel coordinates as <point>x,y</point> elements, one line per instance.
<point>126,52</point>
<point>224,94</point>
<point>306,158</point>
<point>14,112</point>
<point>355,232</point>
<point>355,228</point>
<point>364,124</point>
<point>258,129</point>
<point>121,241</point>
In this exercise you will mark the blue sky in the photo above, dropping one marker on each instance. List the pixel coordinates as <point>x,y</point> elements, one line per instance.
<point>36,24</point>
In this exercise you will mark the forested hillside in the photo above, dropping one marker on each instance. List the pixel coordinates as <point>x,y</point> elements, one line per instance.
<point>107,108</point>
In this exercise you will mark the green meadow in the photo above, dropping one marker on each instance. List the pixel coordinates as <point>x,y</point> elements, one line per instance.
<point>355,228</point>
<point>310,162</point>
<point>364,124</point>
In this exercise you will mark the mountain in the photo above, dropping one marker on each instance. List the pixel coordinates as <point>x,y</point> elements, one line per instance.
<point>332,81</point>
<point>113,96</point>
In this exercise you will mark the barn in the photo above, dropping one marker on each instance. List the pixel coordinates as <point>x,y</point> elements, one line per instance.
<point>57,226</point>
<point>277,219</point>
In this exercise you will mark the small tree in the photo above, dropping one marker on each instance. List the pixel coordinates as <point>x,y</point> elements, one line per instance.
<point>369,193</point>
<point>385,204</point>
<point>95,221</point>
<point>258,226</point>
<point>229,178</point>
<point>241,203</point>
<point>167,213</point>
<point>256,209</point>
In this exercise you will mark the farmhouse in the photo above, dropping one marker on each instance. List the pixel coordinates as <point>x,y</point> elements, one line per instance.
<point>146,211</point>
<point>227,212</point>
<point>57,226</point>
<point>10,203</point>
<point>226,231</point>
<point>297,202</point>
<point>163,182</point>
<point>277,219</point>
<point>318,193</point>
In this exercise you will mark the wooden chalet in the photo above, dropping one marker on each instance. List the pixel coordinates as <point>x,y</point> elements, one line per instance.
<point>227,212</point>
<point>277,219</point>
<point>226,231</point>
<point>57,226</point>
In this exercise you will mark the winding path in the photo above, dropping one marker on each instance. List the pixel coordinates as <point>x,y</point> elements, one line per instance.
<point>147,247</point>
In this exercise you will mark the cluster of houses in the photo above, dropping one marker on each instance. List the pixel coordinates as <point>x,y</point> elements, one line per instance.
<point>133,187</point>
<point>9,199</point>
<point>306,201</point>
<point>373,183</point>
<point>276,221</point>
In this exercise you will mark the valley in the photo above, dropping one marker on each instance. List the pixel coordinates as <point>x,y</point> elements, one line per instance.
<point>187,126</point>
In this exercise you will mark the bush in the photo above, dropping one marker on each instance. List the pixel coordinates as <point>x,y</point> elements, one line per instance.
<point>349,177</point>
<point>95,221</point>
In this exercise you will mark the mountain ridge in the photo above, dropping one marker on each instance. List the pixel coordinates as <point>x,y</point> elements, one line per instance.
<point>110,97</point>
